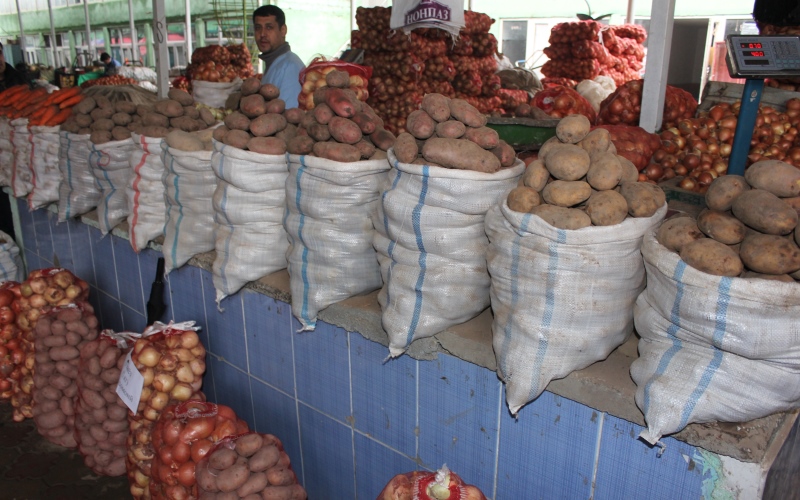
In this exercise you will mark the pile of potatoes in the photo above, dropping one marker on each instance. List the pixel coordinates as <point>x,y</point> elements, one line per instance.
<point>172,363</point>
<point>578,181</point>
<point>101,417</point>
<point>750,228</point>
<point>59,336</point>
<point>452,133</point>
<point>252,466</point>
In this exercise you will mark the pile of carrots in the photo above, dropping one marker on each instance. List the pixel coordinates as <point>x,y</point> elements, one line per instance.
<point>39,107</point>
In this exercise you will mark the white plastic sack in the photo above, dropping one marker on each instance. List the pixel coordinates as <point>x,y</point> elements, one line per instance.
<point>596,90</point>
<point>431,246</point>
<point>189,184</point>
<point>6,152</point>
<point>111,169</point>
<point>21,174</point>
<point>329,210</point>
<point>78,191</point>
<point>561,299</point>
<point>214,94</point>
<point>46,177</point>
<point>712,348</point>
<point>145,192</point>
<point>11,268</point>
<point>249,205</point>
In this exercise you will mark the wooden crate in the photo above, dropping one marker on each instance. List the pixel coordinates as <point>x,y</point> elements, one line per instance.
<point>716,92</point>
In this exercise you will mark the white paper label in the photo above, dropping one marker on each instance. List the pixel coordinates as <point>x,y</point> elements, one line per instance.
<point>130,385</point>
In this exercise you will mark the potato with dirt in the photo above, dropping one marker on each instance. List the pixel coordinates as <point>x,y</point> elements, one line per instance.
<point>678,231</point>
<point>568,163</point>
<point>723,190</point>
<point>420,124</point>
<point>606,208</point>
<point>596,141</point>
<point>405,148</point>
<point>523,199</point>
<point>775,176</point>
<point>712,257</point>
<point>536,175</point>
<point>764,212</point>
<point>566,193</point>
<point>572,128</point>
<point>643,199</point>
<point>721,226</point>
<point>561,217</point>
<point>770,254</point>
<point>460,154</point>
<point>466,113</point>
<point>605,171</point>
<point>437,106</point>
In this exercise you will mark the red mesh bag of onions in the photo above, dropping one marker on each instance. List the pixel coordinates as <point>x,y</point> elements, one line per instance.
<point>423,485</point>
<point>560,101</point>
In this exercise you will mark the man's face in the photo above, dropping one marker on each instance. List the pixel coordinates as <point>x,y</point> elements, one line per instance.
<point>267,33</point>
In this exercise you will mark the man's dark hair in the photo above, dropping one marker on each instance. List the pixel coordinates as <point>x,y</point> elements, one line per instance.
<point>105,56</point>
<point>1,45</point>
<point>270,10</point>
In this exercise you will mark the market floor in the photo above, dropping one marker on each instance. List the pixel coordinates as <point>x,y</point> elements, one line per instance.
<point>31,468</point>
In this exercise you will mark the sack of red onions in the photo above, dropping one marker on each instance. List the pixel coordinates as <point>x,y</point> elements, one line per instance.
<point>11,355</point>
<point>624,105</point>
<point>422,485</point>
<point>634,143</point>
<point>560,101</point>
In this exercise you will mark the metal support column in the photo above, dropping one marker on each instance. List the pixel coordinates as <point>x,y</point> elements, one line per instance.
<point>56,62</point>
<point>655,74</point>
<point>188,31</point>
<point>89,38</point>
<point>160,42</point>
<point>21,34</point>
<point>134,39</point>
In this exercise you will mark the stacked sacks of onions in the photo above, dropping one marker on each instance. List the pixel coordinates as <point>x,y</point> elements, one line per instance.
<point>11,355</point>
<point>624,105</point>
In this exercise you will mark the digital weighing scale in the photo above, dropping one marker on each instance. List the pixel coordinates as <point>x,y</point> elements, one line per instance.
<point>755,57</point>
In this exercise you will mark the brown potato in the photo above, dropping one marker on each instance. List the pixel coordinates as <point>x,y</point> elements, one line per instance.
<point>461,154</point>
<point>319,132</point>
<point>219,133</point>
<point>287,133</point>
<point>120,133</point>
<point>452,129</point>
<point>322,113</point>
<point>405,148</point>
<point>233,477</point>
<point>505,153</point>
<point>379,154</point>
<point>100,136</point>
<point>366,148</point>
<point>775,176</point>
<point>125,107</point>
<point>677,231</point>
<point>772,277</point>
<point>237,121</point>
<point>154,131</point>
<point>566,193</point>
<point>722,226</point>
<point>568,162</point>
<point>183,141</point>
<point>485,137</point>
<point>102,124</point>
<point>191,112</point>
<point>606,208</point>
<point>250,86</point>
<point>335,151</point>
<point>338,79</point>
<point>291,492</point>
<point>267,124</point>
<point>83,120</point>
<point>536,175</point>
<point>643,199</point>
<point>237,139</point>
<point>294,115</point>
<point>365,122</point>
<point>104,102</point>
<point>596,141</point>
<point>562,218</point>
<point>155,120</point>
<point>207,116</point>
<point>181,96</point>
<point>769,254</point>
<point>342,102</point>
<point>466,113</point>
<point>712,257</point>
<point>523,199</point>
<point>344,130</point>
<point>605,171</point>
<point>573,128</point>
<point>248,444</point>
<point>420,124</point>
<point>382,139</point>
<point>300,145</point>
<point>276,106</point>
<point>437,106</point>
<point>168,108</point>
<point>85,106</point>
<point>550,144</point>
<point>253,105</point>
<point>764,212</point>
<point>267,145</point>
<point>723,190</point>
<point>269,91</point>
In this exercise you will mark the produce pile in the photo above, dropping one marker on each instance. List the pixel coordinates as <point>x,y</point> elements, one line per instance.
<point>573,184</point>
<point>424,485</point>
<point>750,228</point>
<point>582,50</point>
<point>452,133</point>
<point>624,105</point>
<point>216,63</point>
<point>109,80</point>
<point>637,145</point>
<point>39,107</point>
<point>12,357</point>
<point>314,77</point>
<point>406,67</point>
<point>790,84</point>
<point>557,102</point>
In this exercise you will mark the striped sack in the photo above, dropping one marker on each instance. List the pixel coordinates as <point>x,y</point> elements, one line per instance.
<point>329,209</point>
<point>21,175</point>
<point>147,210</point>
<point>6,152</point>
<point>78,192</point>
<point>712,348</point>
<point>432,247</point>
<point>562,300</point>
<point>46,177</point>
<point>111,169</point>
<point>11,268</point>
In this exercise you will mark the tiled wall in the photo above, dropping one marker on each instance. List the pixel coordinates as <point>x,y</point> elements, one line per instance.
<point>350,421</point>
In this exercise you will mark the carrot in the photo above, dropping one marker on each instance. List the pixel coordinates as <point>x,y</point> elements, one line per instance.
<point>68,103</point>
<point>6,95</point>
<point>65,94</point>
<point>48,114</point>
<point>58,118</point>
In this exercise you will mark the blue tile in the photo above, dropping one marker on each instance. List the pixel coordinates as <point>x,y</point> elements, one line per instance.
<point>549,449</point>
<point>458,418</point>
<point>384,395</point>
<point>83,266</point>
<point>225,328</point>
<point>327,456</point>
<point>133,321</point>
<point>208,381</point>
<point>232,388</point>
<point>111,311</point>
<point>187,298</point>
<point>32,261</point>
<point>26,226</point>
<point>276,414</point>
<point>94,300</point>
<point>128,275</point>
<point>148,261</point>
<point>44,240</point>
<point>628,466</point>
<point>321,369</point>
<point>269,339</point>
<point>104,267</point>
<point>376,465</point>
<point>61,245</point>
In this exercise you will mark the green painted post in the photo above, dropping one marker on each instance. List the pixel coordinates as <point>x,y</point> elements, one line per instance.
<point>199,35</point>
<point>106,41</point>
<point>73,53</point>
<point>150,61</point>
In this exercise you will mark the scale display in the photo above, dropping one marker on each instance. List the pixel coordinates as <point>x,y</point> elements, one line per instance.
<point>757,56</point>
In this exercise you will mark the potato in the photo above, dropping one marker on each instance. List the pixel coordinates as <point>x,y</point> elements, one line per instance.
<point>774,176</point>
<point>420,124</point>
<point>772,277</point>
<point>723,190</point>
<point>84,131</point>
<point>461,154</point>
<point>382,139</point>
<point>121,118</point>
<point>232,102</point>
<point>248,444</point>
<point>573,128</point>
<point>249,86</point>
<point>237,139</point>
<point>344,130</point>
<point>143,109</point>
<point>437,106</point>
<point>180,96</point>
<point>102,124</point>
<point>629,171</point>
<point>300,145</point>
<point>566,193</point>
<point>722,226</point>
<point>155,120</point>
<point>322,113</point>
<point>485,137</point>
<point>562,218</point>
<point>338,79</point>
<point>100,136</point>
<point>523,199</point>
<point>186,124</point>
<point>219,133</point>
<point>287,133</point>
<point>233,477</point>
<point>237,121</point>
<point>267,124</point>
<point>342,102</point>
<point>254,484</point>
<point>168,108</point>
<point>104,102</point>
<point>549,145</point>
<point>405,148</point>
<point>207,116</point>
<point>797,234</point>
<point>596,141</point>
<point>191,112</point>
<point>677,231</point>
<point>264,459</point>
<point>764,212</point>
<point>568,163</point>
<point>269,91</point>
<point>51,420</point>
<point>222,458</point>
<point>712,257</point>
<point>643,199</point>
<point>253,105</point>
<point>365,122</point>
<point>267,145</point>
<point>120,133</point>
<point>183,141</point>
<point>154,131</point>
<point>536,175</point>
<point>605,171</point>
<point>451,129</point>
<point>606,208</point>
<point>319,132</point>
<point>466,113</point>
<point>276,106</point>
<point>71,127</point>
<point>505,153</point>
<point>335,151</point>
<point>86,106</point>
<point>379,154</point>
<point>367,149</point>
<point>769,254</point>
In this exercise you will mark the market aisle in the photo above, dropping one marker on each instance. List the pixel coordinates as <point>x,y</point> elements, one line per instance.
<point>33,469</point>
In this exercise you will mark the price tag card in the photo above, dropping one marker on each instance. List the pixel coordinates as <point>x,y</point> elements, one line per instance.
<point>130,385</point>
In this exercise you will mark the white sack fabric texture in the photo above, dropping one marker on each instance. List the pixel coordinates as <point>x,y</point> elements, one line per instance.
<point>21,175</point>
<point>431,247</point>
<point>329,210</point>
<point>45,175</point>
<point>189,184</point>
<point>111,169</point>
<point>712,348</point>
<point>145,192</point>
<point>78,191</point>
<point>249,204</point>
<point>214,94</point>
<point>562,300</point>
<point>11,268</point>
<point>6,152</point>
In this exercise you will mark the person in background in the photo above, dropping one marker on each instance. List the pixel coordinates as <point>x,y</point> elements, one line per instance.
<point>9,76</point>
<point>282,66</point>
<point>112,65</point>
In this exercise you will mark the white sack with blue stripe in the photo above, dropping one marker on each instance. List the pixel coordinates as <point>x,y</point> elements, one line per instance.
<point>432,244</point>
<point>11,268</point>
<point>712,348</point>
<point>111,169</point>
<point>249,204</point>
<point>78,192</point>
<point>46,177</point>
<point>6,152</point>
<point>562,300</point>
<point>147,209</point>
<point>189,185</point>
<point>329,209</point>
<point>21,174</point>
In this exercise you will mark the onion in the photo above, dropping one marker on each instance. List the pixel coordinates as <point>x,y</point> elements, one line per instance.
<point>197,428</point>
<point>181,392</point>
<point>687,183</point>
<point>200,449</point>
<point>170,433</point>
<point>185,476</point>
<point>654,171</point>
<point>158,401</point>
<point>163,382</point>
<point>181,451</point>
<point>149,357</point>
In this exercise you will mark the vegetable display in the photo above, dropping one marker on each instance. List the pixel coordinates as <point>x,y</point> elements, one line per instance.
<point>12,357</point>
<point>39,107</point>
<point>422,485</point>
<point>637,145</point>
<point>558,102</point>
<point>215,63</point>
<point>347,75</point>
<point>624,105</point>
<point>109,80</point>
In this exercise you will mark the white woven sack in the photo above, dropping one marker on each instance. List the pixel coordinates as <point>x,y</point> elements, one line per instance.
<point>189,184</point>
<point>214,94</point>
<point>562,300</point>
<point>250,239</point>
<point>46,177</point>
<point>145,192</point>
<point>431,244</point>
<point>21,174</point>
<point>78,192</point>
<point>329,210</point>
<point>6,152</point>
<point>11,268</point>
<point>111,169</point>
<point>712,348</point>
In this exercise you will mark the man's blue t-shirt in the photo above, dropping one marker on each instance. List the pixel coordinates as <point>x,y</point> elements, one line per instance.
<point>284,73</point>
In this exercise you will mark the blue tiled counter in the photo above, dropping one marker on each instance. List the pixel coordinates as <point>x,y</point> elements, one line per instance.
<point>351,420</point>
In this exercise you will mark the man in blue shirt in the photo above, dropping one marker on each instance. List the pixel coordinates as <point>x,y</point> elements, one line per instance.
<point>282,66</point>
<point>112,65</point>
